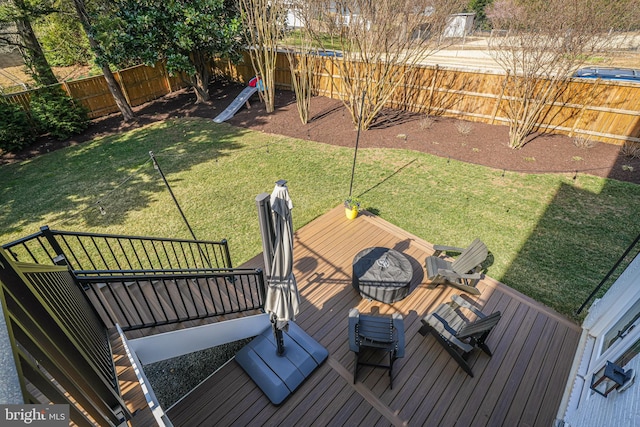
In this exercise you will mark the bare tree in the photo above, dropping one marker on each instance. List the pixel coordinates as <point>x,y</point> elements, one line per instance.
<point>303,66</point>
<point>303,57</point>
<point>542,44</point>
<point>264,24</point>
<point>380,40</point>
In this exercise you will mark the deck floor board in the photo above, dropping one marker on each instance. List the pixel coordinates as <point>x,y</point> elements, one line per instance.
<point>520,385</point>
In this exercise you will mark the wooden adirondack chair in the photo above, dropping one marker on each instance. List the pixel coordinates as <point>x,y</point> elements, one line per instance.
<point>463,272</point>
<point>458,335</point>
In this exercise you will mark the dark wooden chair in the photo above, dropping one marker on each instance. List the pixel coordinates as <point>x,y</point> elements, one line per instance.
<point>463,272</point>
<point>457,334</point>
<point>382,333</point>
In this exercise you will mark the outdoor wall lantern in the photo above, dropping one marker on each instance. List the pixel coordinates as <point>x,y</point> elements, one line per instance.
<point>611,377</point>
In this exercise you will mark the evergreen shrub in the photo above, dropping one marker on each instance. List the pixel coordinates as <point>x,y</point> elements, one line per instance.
<point>57,114</point>
<point>16,130</point>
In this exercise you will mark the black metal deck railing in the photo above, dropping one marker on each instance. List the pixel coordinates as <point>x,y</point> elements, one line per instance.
<point>91,251</point>
<point>136,282</point>
<point>137,299</point>
<point>60,345</point>
<point>623,262</point>
<point>140,282</point>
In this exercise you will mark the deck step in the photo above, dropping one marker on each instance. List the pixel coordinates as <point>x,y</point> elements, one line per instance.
<point>133,394</point>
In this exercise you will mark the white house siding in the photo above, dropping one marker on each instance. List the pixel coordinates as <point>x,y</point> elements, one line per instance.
<point>616,410</point>
<point>619,409</point>
<point>622,295</point>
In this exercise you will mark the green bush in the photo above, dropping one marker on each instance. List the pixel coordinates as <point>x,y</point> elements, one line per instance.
<point>58,114</point>
<point>16,130</point>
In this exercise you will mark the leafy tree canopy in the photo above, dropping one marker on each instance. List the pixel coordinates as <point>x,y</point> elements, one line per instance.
<point>479,7</point>
<point>187,34</point>
<point>10,10</point>
<point>63,40</point>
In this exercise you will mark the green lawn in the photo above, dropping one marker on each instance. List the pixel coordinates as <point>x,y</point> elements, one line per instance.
<point>297,39</point>
<point>550,236</point>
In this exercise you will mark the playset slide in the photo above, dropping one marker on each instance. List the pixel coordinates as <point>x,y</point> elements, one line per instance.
<point>254,85</point>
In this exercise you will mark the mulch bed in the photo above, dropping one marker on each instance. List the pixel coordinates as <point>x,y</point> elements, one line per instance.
<point>330,123</point>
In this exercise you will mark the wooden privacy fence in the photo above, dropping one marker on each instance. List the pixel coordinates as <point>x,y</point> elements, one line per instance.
<point>600,110</point>
<point>139,84</point>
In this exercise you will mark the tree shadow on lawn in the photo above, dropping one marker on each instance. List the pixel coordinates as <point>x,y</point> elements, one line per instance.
<point>104,181</point>
<point>575,242</point>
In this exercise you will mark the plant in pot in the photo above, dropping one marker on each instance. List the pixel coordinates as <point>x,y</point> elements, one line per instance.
<point>351,207</point>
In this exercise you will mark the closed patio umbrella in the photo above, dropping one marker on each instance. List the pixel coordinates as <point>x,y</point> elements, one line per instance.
<point>279,376</point>
<point>282,301</point>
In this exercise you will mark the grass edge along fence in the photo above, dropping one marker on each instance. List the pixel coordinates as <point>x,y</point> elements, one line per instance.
<point>598,110</point>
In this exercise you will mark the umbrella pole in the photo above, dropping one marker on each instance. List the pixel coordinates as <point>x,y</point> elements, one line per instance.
<point>278,336</point>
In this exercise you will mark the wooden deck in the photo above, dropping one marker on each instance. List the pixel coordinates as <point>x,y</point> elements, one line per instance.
<point>130,388</point>
<point>521,385</point>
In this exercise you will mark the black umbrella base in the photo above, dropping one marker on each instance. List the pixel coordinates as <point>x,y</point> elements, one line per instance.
<point>278,376</point>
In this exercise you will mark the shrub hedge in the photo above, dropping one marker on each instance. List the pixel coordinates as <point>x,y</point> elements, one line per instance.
<point>16,129</point>
<point>51,111</point>
<point>57,114</point>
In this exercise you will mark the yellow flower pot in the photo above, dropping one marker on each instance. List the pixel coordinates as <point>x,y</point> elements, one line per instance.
<point>351,213</point>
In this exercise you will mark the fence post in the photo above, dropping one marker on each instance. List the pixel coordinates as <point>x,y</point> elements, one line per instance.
<point>65,86</point>
<point>497,106</point>
<point>330,76</point>
<point>165,75</point>
<point>431,88</point>
<point>404,101</point>
<point>584,108</point>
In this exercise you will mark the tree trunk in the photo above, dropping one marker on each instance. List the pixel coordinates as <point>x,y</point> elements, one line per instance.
<point>114,88</point>
<point>201,84</point>
<point>32,51</point>
<point>118,96</point>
